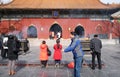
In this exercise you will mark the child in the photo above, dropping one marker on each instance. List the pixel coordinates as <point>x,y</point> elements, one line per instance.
<point>43,54</point>
<point>57,53</point>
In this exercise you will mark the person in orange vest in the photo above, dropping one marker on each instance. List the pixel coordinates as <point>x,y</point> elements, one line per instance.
<point>57,53</point>
<point>43,54</point>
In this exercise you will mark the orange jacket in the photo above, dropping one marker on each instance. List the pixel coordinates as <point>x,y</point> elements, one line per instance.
<point>43,52</point>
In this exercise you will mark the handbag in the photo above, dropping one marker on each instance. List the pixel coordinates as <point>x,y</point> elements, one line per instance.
<point>48,52</point>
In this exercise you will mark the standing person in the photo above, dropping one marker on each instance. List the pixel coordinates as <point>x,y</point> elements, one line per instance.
<point>26,45</point>
<point>53,34</point>
<point>13,49</point>
<point>50,35</point>
<point>57,53</point>
<point>43,54</point>
<point>59,35</point>
<point>95,46</point>
<point>76,49</point>
<point>0,42</point>
<point>4,52</point>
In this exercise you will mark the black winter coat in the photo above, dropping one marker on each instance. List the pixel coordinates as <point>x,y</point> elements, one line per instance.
<point>13,49</point>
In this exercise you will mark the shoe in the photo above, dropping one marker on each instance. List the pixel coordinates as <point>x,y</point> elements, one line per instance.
<point>56,65</point>
<point>9,73</point>
<point>43,66</point>
<point>93,68</point>
<point>13,72</point>
<point>99,68</point>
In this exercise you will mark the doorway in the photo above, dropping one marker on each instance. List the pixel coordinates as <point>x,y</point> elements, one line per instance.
<point>55,31</point>
<point>32,32</point>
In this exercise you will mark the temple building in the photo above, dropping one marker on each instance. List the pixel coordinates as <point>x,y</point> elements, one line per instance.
<point>46,18</point>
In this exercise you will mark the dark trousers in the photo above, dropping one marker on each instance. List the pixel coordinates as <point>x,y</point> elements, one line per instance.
<point>94,54</point>
<point>44,62</point>
<point>57,61</point>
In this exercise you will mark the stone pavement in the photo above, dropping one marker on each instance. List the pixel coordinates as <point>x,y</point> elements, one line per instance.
<point>110,60</point>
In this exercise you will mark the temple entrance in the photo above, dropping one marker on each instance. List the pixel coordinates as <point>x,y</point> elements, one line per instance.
<point>32,32</point>
<point>80,31</point>
<point>55,31</point>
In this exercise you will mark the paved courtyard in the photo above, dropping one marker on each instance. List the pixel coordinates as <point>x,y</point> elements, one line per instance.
<point>29,65</point>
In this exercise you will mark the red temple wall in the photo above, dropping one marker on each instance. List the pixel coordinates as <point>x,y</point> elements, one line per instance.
<point>43,25</point>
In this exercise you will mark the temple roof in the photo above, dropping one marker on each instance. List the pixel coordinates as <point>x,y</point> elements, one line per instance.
<point>116,15</point>
<point>57,4</point>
